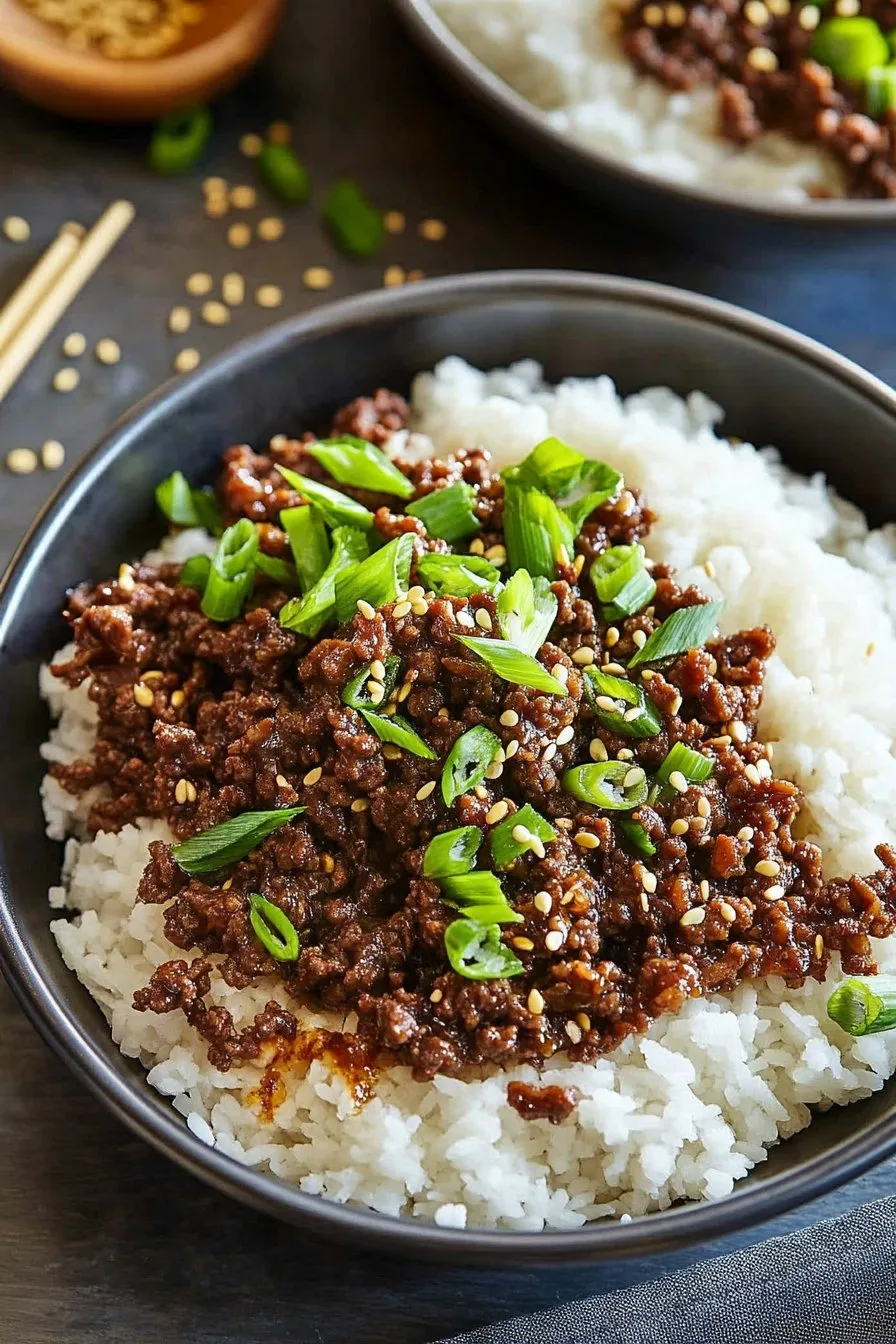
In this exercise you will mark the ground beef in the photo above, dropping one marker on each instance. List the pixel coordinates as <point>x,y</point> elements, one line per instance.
<point>543,1103</point>
<point>199,722</point>
<point>717,41</point>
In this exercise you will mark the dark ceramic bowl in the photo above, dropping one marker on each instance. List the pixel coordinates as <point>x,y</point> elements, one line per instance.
<point>719,217</point>
<point>824,414</point>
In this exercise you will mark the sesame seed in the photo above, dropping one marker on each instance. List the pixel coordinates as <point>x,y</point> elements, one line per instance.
<point>153,675</point>
<point>728,912</point>
<point>66,380</point>
<point>524,944</point>
<point>74,344</point>
<point>565,735</point>
<point>550,752</point>
<point>752,774</point>
<point>692,917</point>
<point>678,827</point>
<point>561,555</point>
<point>554,940</point>
<point>483,619</point>
<point>126,579</point>
<point>233,289</point>
<point>391,751</point>
<point>578,565</point>
<point>675,706</point>
<point>763,58</point>
<point>239,235</point>
<point>511,749</point>
<point>217,206</point>
<point>401,609</point>
<point>419,608</point>
<point>521,834</point>
<point>586,840</point>
<point>477,546</point>
<point>678,781</point>
<point>819,945</point>
<point>143,696</point>
<point>424,792</point>
<point>433,230</point>
<point>17,229</point>
<point>648,674</point>
<point>378,670</point>
<point>768,868</point>
<point>214,186</point>
<point>199,283</point>
<point>313,776</point>
<point>495,770</point>
<point>704,890</point>
<point>180,791</point>
<point>271,229</point>
<point>624,754</point>
<point>542,902</point>
<point>808,18</point>
<point>215,313</point>
<point>738,731</point>
<point>560,672</point>
<point>709,569</point>
<point>653,15</point>
<point>416,593</point>
<point>107,351</point>
<point>764,768</point>
<point>481,793</point>
<point>633,778</point>
<point>393,276</point>
<point>573,1031</point>
<point>179,319</point>
<point>251,145</point>
<point>436,996</point>
<point>596,750</point>
<point>177,699</point>
<point>21,461</point>
<point>755,13</point>
<point>377,691</point>
<point>360,805</point>
<point>365,609</point>
<point>584,657</point>
<point>774,893</point>
<point>317,277</point>
<point>269,296</point>
<point>535,1002</point>
<point>466,620</point>
<point>611,637</point>
<point>639,639</point>
<point>584,1021</point>
<point>497,554</point>
<point>185,361</point>
<point>394,221</point>
<point>703,806</point>
<point>631,714</point>
<point>676,17</point>
<point>243,197</point>
<point>328,863</point>
<point>780,8</point>
<point>746,833</point>
<point>509,718</point>
<point>497,812</point>
<point>648,881</point>
<point>607,703</point>
<point>699,824</point>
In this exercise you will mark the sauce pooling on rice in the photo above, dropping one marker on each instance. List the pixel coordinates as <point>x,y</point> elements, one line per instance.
<point>494,813</point>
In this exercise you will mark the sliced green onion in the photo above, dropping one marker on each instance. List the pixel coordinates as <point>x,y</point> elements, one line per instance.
<point>400,733</point>
<point>476,951</point>
<point>452,853</point>
<point>622,582</point>
<point>338,509</point>
<point>511,664</point>
<point>687,628</point>
<point>890,35</point>
<point>179,140</point>
<point>680,759</point>
<point>304,526</point>
<point>506,849</point>
<point>187,507</point>
<point>536,532</point>
<point>526,611</point>
<point>603,785</point>
<point>456,575</point>
<point>626,698</point>
<point>194,572</point>
<point>356,226</point>
<point>849,47</point>
<point>603,483</point>
<point>447,513</point>
<point>382,578</point>
<point>229,841</point>
<point>357,693</point>
<point>280,571</point>
<point>553,466</point>
<point>283,173</point>
<point>880,91</point>
<point>636,836</point>
<point>354,461</point>
<point>467,762</point>
<point>231,575</point>
<point>309,614</point>
<point>479,891</point>
<point>861,1010</point>
<point>273,928</point>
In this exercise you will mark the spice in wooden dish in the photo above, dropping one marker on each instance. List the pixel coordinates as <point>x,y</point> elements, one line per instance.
<point>120,29</point>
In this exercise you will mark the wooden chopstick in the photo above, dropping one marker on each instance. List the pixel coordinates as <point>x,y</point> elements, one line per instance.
<point>39,281</point>
<point>36,327</point>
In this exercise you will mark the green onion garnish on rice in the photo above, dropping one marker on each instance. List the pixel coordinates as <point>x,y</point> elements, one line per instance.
<point>399,732</point>
<point>687,628</point>
<point>617,786</point>
<point>526,611</point>
<point>230,841</point>
<point>273,928</point>
<point>476,951</point>
<point>194,572</point>
<point>682,766</point>
<point>862,1010</point>
<point>452,853</point>
<point>523,832</point>
<point>338,509</point>
<point>354,461</point>
<point>309,614</point>
<point>281,572</point>
<point>622,582</point>
<point>457,575</point>
<point>231,575</point>
<point>186,506</point>
<point>512,665</point>
<point>620,705</point>
<point>538,536</point>
<point>382,578</point>
<point>447,513</point>
<point>467,762</point>
<point>308,541</point>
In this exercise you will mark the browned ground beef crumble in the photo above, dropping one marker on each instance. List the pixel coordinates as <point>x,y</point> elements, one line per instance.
<point>709,41</point>
<point>246,711</point>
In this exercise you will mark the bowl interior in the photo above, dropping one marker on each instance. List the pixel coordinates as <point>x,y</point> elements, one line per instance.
<point>823,415</point>
<point>17,22</point>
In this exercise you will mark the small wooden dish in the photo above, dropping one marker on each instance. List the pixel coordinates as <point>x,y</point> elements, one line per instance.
<point>37,63</point>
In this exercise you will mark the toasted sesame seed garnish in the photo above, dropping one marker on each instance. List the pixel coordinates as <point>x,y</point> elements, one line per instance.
<point>774,893</point>
<point>153,675</point>
<point>365,609</point>
<point>709,569</point>
<point>565,735</point>
<point>179,319</point>
<point>66,380</point>
<point>216,207</point>
<point>496,554</point>
<point>215,313</point>
<point>808,17</point>
<point>378,670</point>
<point>615,669</point>
<point>214,186</point>
<point>755,13</point>
<point>401,609</point>
<point>704,890</point>
<point>21,461</point>
<point>584,657</point>
<point>542,902</point>
<point>243,197</point>
<point>251,145</point>
<point>678,827</point>
<point>481,793</point>
<point>477,546</point>
<point>393,276</point>
<point>313,776</point>
<point>639,639</point>
<point>511,749</point>
<point>328,863</point>
<point>554,940</point>
<point>648,674</point>
<point>317,277</point>
<point>596,750</point>
<point>535,1003</point>
<point>624,754</point>
<point>692,917</point>
<point>560,672</point>
<point>523,944</point>
<point>277,442</point>
<point>394,221</point>
<point>607,704</point>
<point>703,806</point>
<point>634,777</point>
<point>270,230</point>
<point>819,945</point>
<point>436,996</point>
<point>768,868</point>
<point>466,620</point>
<point>521,834</point>
<point>424,792</point>
<point>631,714</point>
<point>420,608</point>
<point>578,565</point>
<point>483,619</point>
<point>653,15</point>
<point>143,696</point>
<point>180,791</point>
<point>763,58</point>
<point>185,361</point>
<point>233,289</point>
<point>495,770</point>
<point>561,555</point>
<point>376,691</point>
<point>74,345</point>
<point>780,8</point>
<point>676,17</point>
<point>550,751</point>
<point>611,637</point>
<point>199,283</point>
<point>752,774</point>
<point>433,230</point>
<point>360,805</point>
<point>746,833</point>
<point>391,751</point>
<point>728,912</point>
<point>497,812</point>
<point>678,781</point>
<point>509,718</point>
<point>416,593</point>
<point>586,840</point>
<point>764,768</point>
<point>699,824</point>
<point>675,705</point>
<point>239,235</point>
<point>17,229</point>
<point>126,579</point>
<point>269,296</point>
<point>177,699</point>
<point>107,351</point>
<point>573,1031</point>
<point>648,880</point>
<point>737,730</point>
<point>282,782</point>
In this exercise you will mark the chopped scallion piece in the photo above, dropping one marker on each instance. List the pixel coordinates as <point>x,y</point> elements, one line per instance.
<point>356,226</point>
<point>283,173</point>
<point>273,928</point>
<point>602,483</point>
<point>447,513</point>
<point>280,571</point>
<point>680,759</point>
<point>381,578</point>
<point>456,575</point>
<point>512,664</point>
<point>304,526</point>
<point>479,891</point>
<point>536,532</point>
<point>186,506</point>
<point>357,694</point>
<point>553,466</point>
<point>506,848</point>
<point>229,841</point>
<point>194,572</point>
<point>849,47</point>
<point>603,785</point>
<point>231,575</point>
<point>687,628</point>
<point>309,614</point>
<point>636,836</point>
<point>620,717</point>
<point>526,611</point>
<point>399,732</point>
<point>862,1010</point>
<point>467,762</point>
<point>622,582</point>
<point>880,90</point>
<point>338,509</point>
<point>452,853</point>
<point>476,951</point>
<point>179,140</point>
<point>354,461</point>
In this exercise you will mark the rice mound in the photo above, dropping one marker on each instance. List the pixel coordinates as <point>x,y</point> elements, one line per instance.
<point>561,56</point>
<point>685,1110</point>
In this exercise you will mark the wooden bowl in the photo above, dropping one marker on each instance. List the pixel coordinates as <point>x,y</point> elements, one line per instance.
<point>217,52</point>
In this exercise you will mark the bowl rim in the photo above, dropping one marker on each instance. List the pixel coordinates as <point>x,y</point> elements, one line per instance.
<point>433,34</point>
<point>128,1096</point>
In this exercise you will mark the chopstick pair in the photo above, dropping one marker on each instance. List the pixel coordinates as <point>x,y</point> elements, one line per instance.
<point>36,306</point>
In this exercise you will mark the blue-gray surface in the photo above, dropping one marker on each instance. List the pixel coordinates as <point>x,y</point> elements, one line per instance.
<point>100,1239</point>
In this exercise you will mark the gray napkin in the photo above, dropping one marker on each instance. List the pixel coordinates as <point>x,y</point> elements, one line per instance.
<point>834,1283</point>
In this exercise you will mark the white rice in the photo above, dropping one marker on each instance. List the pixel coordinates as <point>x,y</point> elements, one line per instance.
<point>686,1110</point>
<point>561,56</point>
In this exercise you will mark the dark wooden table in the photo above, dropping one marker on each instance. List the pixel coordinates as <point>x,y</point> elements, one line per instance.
<point>100,1239</point>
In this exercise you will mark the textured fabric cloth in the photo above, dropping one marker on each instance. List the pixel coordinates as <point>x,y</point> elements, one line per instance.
<point>834,1283</point>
